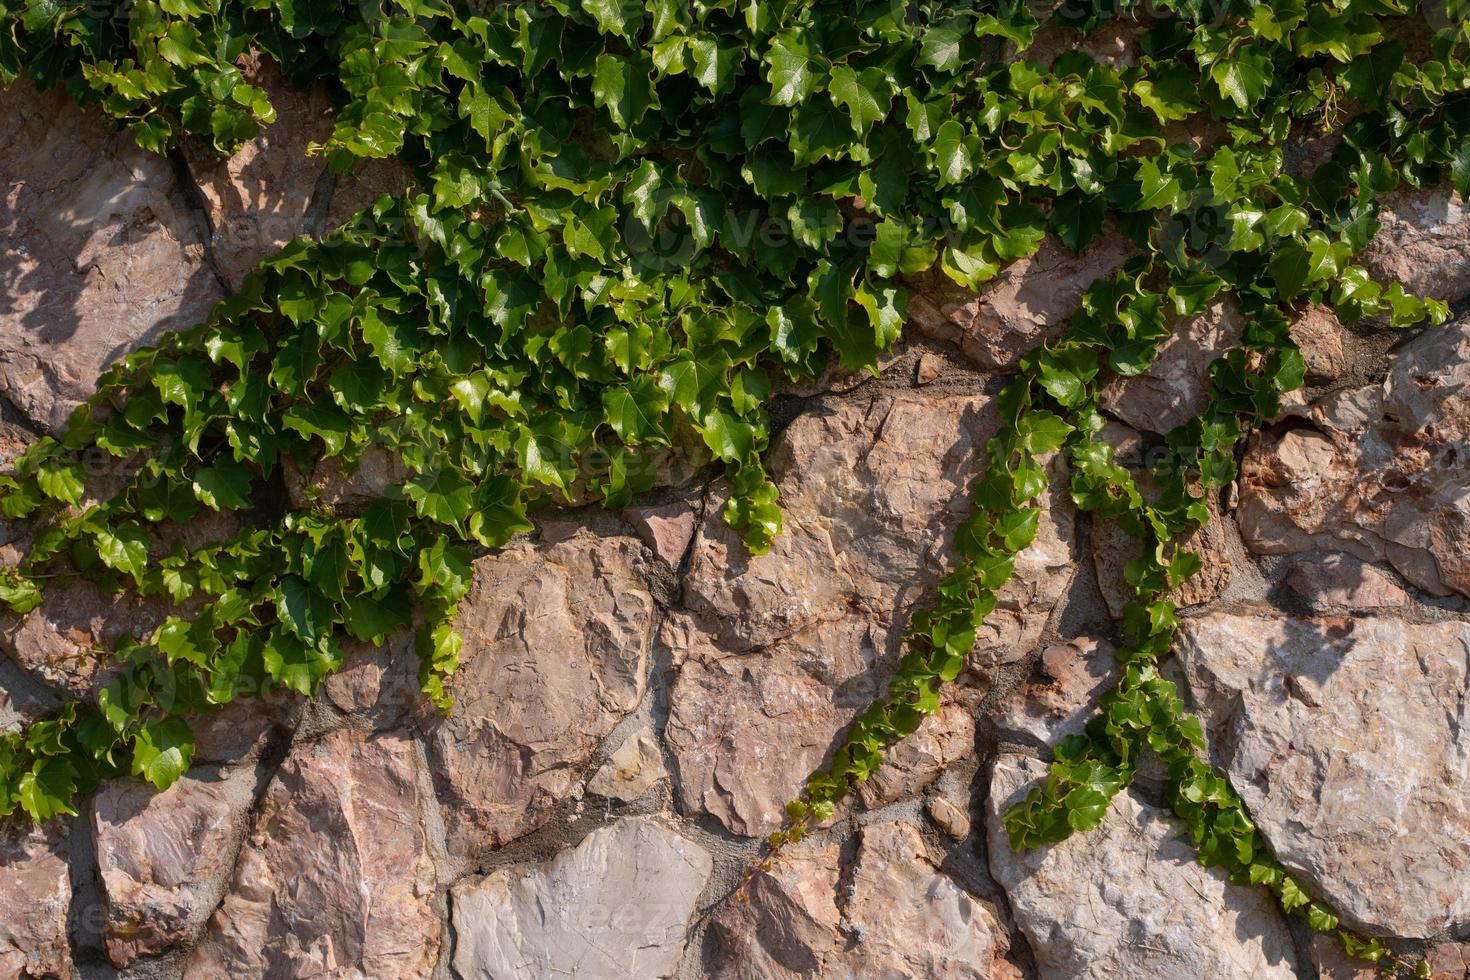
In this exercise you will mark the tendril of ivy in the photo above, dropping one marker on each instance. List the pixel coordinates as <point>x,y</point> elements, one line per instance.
<point>582,281</point>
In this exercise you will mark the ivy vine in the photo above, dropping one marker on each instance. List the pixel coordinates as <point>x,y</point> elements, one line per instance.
<point>630,218</point>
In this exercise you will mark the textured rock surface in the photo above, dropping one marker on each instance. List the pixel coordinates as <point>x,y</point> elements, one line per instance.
<point>99,252</point>
<point>336,878</point>
<point>1176,386</point>
<point>640,696</point>
<point>910,920</point>
<point>899,917</point>
<point>665,528</point>
<point>1319,335</point>
<point>1030,301</point>
<point>63,641</point>
<point>1059,698</point>
<point>950,818</point>
<point>23,699</point>
<point>1448,961</point>
<point>616,905</point>
<point>941,740</point>
<point>165,858</point>
<point>380,683</point>
<point>556,643</point>
<point>1342,582</point>
<point>258,198</point>
<point>35,896</point>
<point>1347,739</point>
<point>783,649</point>
<point>634,767</point>
<point>1128,899</point>
<point>1379,471</point>
<point>1424,243</point>
<point>1113,548</point>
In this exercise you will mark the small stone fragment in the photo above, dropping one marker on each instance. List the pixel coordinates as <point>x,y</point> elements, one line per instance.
<point>928,368</point>
<point>632,770</point>
<point>1319,335</point>
<point>665,528</point>
<point>910,919</point>
<point>1063,694</point>
<point>788,926</point>
<point>949,817</point>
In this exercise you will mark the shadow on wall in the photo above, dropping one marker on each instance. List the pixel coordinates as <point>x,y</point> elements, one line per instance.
<point>102,252</point>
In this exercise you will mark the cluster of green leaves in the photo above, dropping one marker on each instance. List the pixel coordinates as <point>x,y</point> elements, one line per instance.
<point>168,67</point>
<point>630,219</point>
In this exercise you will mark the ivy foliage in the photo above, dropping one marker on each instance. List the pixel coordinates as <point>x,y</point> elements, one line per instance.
<point>632,219</point>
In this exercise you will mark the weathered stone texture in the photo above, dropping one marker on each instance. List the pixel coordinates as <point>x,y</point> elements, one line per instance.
<point>1063,693</point>
<point>1341,582</point>
<point>556,645</point>
<point>99,252</point>
<point>1129,899</point>
<point>1424,243</point>
<point>1176,386</point>
<point>1318,333</point>
<point>896,917</point>
<point>165,858</point>
<point>779,651</point>
<point>633,768</point>
<point>1029,302</point>
<point>35,899</point>
<point>336,878</point>
<point>1379,472</point>
<point>1347,739</point>
<point>257,199</point>
<point>618,904</point>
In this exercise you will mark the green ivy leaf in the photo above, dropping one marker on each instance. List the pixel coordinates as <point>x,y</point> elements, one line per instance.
<point>867,95</point>
<point>163,750</point>
<point>46,789</point>
<point>441,494</point>
<point>792,68</point>
<point>1243,77</point>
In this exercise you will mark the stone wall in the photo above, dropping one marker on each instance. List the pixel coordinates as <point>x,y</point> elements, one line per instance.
<point>639,696</point>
